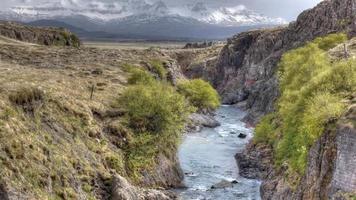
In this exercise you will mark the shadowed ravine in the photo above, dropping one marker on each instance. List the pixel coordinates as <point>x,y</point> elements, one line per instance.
<point>207,158</point>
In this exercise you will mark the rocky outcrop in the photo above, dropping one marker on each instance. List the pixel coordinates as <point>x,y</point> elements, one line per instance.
<point>255,161</point>
<point>167,173</point>
<point>123,190</point>
<point>247,65</point>
<point>330,170</point>
<point>37,35</point>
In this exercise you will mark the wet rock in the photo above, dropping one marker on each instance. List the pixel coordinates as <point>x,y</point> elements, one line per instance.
<point>242,136</point>
<point>221,185</point>
<point>234,182</point>
<point>203,120</point>
<point>190,174</point>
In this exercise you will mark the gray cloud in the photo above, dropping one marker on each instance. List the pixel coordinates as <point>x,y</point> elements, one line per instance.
<point>287,9</point>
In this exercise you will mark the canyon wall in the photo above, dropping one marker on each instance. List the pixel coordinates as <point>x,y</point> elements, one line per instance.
<point>247,65</point>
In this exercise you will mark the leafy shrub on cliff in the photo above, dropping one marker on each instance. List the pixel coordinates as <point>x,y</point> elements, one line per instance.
<point>312,89</point>
<point>330,41</point>
<point>200,93</point>
<point>265,131</point>
<point>155,108</point>
<point>158,68</point>
<point>139,76</point>
<point>157,114</point>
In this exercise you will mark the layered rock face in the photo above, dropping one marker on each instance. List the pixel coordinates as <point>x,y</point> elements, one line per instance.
<point>330,171</point>
<point>246,68</point>
<point>42,36</point>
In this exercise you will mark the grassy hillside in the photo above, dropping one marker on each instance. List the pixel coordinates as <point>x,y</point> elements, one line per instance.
<point>70,119</point>
<point>316,89</point>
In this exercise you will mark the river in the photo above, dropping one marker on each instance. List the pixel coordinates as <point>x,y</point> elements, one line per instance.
<point>207,158</point>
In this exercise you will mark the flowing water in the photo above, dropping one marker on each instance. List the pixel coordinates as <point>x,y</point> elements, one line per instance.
<point>207,158</point>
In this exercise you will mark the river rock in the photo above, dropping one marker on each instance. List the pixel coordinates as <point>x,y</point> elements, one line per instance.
<point>222,184</point>
<point>202,120</point>
<point>242,136</point>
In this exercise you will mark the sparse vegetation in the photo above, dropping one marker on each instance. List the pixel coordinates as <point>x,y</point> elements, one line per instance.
<point>200,94</point>
<point>312,89</point>
<point>139,76</point>
<point>158,68</point>
<point>25,96</point>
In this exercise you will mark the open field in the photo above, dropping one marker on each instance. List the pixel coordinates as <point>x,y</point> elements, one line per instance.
<point>135,45</point>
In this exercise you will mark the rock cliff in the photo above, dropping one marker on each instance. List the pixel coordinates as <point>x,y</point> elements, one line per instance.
<point>245,69</point>
<point>37,35</point>
<point>331,160</point>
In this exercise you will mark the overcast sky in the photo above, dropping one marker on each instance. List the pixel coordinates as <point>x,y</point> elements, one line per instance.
<point>287,9</point>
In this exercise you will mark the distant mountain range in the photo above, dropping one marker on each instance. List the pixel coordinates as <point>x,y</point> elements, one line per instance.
<point>137,19</point>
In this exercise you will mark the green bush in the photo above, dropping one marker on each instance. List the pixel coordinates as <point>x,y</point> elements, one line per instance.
<point>312,88</point>
<point>139,76</point>
<point>265,131</point>
<point>155,108</point>
<point>200,94</point>
<point>330,41</point>
<point>157,114</point>
<point>158,68</point>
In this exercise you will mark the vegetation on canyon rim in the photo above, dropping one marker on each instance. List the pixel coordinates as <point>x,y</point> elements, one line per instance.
<point>40,131</point>
<point>200,93</point>
<point>313,88</point>
<point>156,112</point>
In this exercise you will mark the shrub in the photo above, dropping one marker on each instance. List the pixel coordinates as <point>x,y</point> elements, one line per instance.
<point>139,76</point>
<point>157,114</point>
<point>265,131</point>
<point>200,94</point>
<point>158,68</point>
<point>155,108</point>
<point>330,41</point>
<point>312,88</point>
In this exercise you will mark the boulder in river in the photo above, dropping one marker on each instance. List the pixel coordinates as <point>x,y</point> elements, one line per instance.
<point>242,136</point>
<point>222,184</point>
<point>203,120</point>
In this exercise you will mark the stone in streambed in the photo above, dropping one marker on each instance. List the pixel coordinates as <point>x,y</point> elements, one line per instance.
<point>222,184</point>
<point>242,136</point>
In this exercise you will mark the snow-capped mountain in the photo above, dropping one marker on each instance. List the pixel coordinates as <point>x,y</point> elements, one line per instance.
<point>139,18</point>
<point>100,11</point>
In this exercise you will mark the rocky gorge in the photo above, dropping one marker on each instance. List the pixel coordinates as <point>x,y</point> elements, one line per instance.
<point>246,72</point>
<point>96,165</point>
